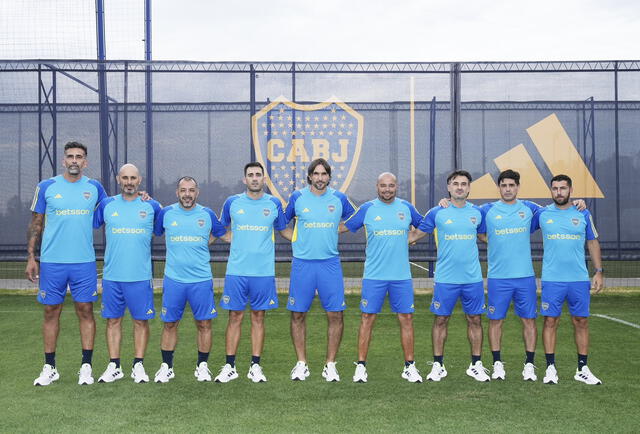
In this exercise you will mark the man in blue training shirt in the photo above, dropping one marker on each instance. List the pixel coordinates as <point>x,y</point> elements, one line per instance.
<point>565,275</point>
<point>67,257</point>
<point>457,273</point>
<point>252,218</point>
<point>387,221</point>
<point>317,211</point>
<point>127,275</point>
<point>187,275</point>
<point>510,275</point>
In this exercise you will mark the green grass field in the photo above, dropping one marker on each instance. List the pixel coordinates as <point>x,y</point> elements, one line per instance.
<point>385,403</point>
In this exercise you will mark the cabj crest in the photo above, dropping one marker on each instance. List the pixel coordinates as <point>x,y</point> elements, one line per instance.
<point>287,136</point>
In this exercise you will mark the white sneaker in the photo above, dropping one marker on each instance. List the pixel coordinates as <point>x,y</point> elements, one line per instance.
<point>586,376</point>
<point>529,372</point>
<point>478,372</point>
<point>226,374</point>
<point>84,375</point>
<point>498,371</point>
<point>411,374</point>
<point>300,372</point>
<point>360,375</point>
<point>48,375</point>
<point>164,374</point>
<point>138,374</point>
<point>202,372</point>
<point>550,375</point>
<point>330,373</point>
<point>438,372</point>
<point>255,374</point>
<point>111,374</point>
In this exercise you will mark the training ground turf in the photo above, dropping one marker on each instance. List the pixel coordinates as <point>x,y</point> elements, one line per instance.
<point>385,403</point>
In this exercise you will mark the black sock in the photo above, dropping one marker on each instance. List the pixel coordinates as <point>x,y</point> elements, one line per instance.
<point>530,357</point>
<point>202,357</point>
<point>116,361</point>
<point>87,355</point>
<point>167,357</point>
<point>255,360</point>
<point>362,362</point>
<point>496,356</point>
<point>231,360</point>
<point>438,359</point>
<point>407,363</point>
<point>138,359</point>
<point>50,359</point>
<point>475,359</point>
<point>582,361</point>
<point>551,358</point>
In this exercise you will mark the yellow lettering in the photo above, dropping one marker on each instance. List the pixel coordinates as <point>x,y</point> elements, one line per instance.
<point>298,150</point>
<point>321,149</point>
<point>278,156</point>
<point>342,157</point>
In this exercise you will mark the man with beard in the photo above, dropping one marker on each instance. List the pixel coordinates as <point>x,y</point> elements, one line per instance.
<point>187,275</point>
<point>387,221</point>
<point>565,275</point>
<point>67,257</point>
<point>317,210</point>
<point>127,275</point>
<point>458,273</point>
<point>251,217</point>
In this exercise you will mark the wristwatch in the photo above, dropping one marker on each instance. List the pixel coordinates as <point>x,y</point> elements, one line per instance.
<point>599,270</point>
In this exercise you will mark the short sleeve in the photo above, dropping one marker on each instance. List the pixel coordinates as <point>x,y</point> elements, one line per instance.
<point>428,223</point>
<point>290,210</point>
<point>535,220</point>
<point>356,221</point>
<point>482,227</point>
<point>591,232</point>
<point>225,215</point>
<point>280,222</point>
<point>347,207</point>
<point>102,194</point>
<point>158,225</point>
<point>39,203</point>
<point>217,229</point>
<point>98,214</point>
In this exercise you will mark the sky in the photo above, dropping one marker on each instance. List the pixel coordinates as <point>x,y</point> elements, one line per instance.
<point>396,31</point>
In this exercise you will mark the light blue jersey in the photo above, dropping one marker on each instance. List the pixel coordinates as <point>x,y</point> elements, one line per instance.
<point>68,227</point>
<point>128,231</point>
<point>387,227</point>
<point>252,222</point>
<point>509,238</point>
<point>455,231</point>
<point>315,235</point>
<point>187,240</point>
<point>564,232</point>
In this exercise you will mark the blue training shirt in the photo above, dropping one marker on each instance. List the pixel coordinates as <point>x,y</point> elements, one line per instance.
<point>509,238</point>
<point>68,225</point>
<point>315,234</point>
<point>128,231</point>
<point>455,231</point>
<point>252,222</point>
<point>564,232</point>
<point>187,240</point>
<point>387,227</point>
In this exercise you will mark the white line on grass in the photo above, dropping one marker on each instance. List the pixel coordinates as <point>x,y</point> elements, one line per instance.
<point>621,321</point>
<point>419,266</point>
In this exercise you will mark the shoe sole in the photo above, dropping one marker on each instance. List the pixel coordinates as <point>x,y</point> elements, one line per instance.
<point>480,381</point>
<point>497,378</point>
<point>101,380</point>
<point>549,382</point>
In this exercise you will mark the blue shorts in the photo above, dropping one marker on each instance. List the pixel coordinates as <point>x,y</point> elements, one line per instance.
<point>136,296</point>
<point>176,294</point>
<point>445,296</point>
<point>522,291</point>
<point>374,292</point>
<point>325,275</point>
<point>82,280</point>
<point>259,291</point>
<point>576,294</point>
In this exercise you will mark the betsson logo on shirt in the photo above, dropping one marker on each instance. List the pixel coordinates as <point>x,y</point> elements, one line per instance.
<point>319,225</point>
<point>72,211</point>
<point>389,232</point>
<point>509,231</point>
<point>253,228</point>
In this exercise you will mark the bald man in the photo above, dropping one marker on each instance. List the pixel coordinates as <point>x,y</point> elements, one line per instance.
<point>387,220</point>
<point>127,275</point>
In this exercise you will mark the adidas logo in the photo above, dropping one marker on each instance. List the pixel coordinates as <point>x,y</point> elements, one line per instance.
<point>240,211</point>
<point>498,217</point>
<point>150,312</point>
<point>412,306</point>
<point>213,310</point>
<point>271,302</point>
<point>378,218</point>
<point>559,154</point>
<point>175,223</point>
<point>448,222</point>
<point>57,196</point>
<point>549,221</point>
<point>95,293</point>
<point>306,210</point>
<point>115,214</point>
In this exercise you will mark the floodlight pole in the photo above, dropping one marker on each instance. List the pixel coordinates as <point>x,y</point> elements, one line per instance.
<point>102,98</point>
<point>148,96</point>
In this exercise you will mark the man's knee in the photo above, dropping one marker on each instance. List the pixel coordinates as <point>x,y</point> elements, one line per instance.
<point>204,325</point>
